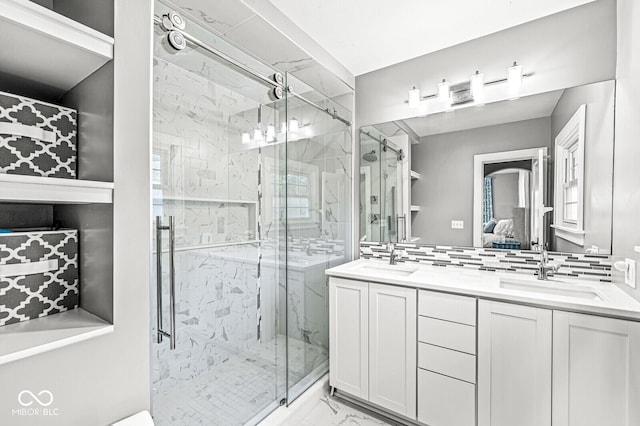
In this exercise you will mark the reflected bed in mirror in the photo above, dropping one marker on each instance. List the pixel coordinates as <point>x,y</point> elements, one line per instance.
<point>484,175</point>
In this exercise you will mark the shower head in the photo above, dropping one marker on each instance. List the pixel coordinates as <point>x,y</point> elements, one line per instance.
<point>370,156</point>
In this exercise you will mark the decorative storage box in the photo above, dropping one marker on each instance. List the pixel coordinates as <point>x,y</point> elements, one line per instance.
<point>38,274</point>
<point>37,138</point>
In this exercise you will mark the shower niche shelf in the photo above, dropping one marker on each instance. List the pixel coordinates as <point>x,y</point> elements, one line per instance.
<point>174,198</point>
<point>45,190</point>
<point>40,45</point>
<point>28,338</point>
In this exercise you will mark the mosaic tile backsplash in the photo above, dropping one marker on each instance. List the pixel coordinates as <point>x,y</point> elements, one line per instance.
<point>591,267</point>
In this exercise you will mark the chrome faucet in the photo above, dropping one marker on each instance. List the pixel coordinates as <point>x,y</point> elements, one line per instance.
<point>393,256</point>
<point>544,266</point>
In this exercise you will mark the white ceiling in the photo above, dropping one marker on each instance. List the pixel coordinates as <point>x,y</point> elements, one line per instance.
<point>366,35</point>
<point>526,108</point>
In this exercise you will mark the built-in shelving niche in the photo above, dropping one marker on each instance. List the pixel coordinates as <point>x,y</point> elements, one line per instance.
<point>81,31</point>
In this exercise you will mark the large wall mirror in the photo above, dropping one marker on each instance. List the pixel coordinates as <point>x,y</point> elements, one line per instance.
<point>511,174</point>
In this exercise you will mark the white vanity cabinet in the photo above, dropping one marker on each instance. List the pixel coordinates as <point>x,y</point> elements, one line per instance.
<point>446,359</point>
<point>349,336</point>
<point>596,371</point>
<point>392,348</point>
<point>372,343</point>
<point>514,365</point>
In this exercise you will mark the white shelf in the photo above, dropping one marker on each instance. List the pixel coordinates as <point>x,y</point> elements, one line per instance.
<point>28,338</point>
<point>44,190</point>
<point>415,209</point>
<point>46,47</point>
<point>415,175</point>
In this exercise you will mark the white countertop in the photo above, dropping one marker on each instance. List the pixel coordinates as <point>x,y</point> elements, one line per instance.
<point>610,300</point>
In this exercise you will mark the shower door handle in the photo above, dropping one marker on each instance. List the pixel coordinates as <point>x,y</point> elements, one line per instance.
<point>171,334</point>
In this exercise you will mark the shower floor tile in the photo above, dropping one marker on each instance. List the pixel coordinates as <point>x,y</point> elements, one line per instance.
<point>233,392</point>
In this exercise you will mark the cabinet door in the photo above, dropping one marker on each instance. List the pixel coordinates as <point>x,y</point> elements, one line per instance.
<point>349,336</point>
<point>596,371</point>
<point>514,365</point>
<point>393,340</point>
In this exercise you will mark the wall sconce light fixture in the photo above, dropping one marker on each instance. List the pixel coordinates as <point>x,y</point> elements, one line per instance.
<point>444,91</point>
<point>414,98</point>
<point>476,86</point>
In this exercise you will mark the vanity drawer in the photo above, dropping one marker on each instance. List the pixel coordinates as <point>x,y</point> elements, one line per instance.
<point>447,334</point>
<point>448,362</point>
<point>443,401</point>
<point>448,307</point>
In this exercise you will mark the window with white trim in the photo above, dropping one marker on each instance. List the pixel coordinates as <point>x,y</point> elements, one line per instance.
<point>295,190</point>
<point>569,179</point>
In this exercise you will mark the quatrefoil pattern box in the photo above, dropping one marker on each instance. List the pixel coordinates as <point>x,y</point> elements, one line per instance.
<point>37,138</point>
<point>38,274</point>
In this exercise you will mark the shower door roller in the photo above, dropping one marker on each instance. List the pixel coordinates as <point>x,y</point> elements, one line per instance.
<point>173,20</point>
<point>171,334</point>
<point>278,78</point>
<point>177,40</point>
<point>277,93</point>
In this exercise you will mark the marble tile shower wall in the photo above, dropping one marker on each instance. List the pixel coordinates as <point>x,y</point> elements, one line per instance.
<point>584,266</point>
<point>207,182</point>
<point>323,151</point>
<point>216,309</point>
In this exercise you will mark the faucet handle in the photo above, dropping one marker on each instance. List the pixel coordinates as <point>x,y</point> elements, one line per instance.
<point>554,266</point>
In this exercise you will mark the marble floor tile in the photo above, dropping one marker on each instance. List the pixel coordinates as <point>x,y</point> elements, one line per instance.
<point>233,392</point>
<point>331,411</point>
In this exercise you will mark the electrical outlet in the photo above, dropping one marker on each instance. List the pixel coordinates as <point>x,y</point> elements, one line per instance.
<point>630,273</point>
<point>457,224</point>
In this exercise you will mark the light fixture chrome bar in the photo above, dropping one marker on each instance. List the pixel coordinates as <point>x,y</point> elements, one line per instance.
<point>248,70</point>
<point>384,142</point>
<point>488,83</point>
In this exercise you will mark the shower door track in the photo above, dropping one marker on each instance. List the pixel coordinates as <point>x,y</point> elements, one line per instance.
<point>274,81</point>
<point>384,142</point>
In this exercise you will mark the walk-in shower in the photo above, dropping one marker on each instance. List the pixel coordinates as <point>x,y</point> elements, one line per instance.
<point>252,202</point>
<point>382,180</point>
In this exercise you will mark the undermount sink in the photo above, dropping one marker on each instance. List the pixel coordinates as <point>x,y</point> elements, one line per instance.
<point>552,288</point>
<point>397,270</point>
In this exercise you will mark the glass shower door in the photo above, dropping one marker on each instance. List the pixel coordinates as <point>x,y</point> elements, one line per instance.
<point>318,213</point>
<point>217,354</point>
<point>392,190</point>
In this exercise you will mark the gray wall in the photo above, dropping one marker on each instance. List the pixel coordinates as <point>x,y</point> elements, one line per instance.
<point>99,381</point>
<point>626,196</point>
<point>598,185</point>
<point>445,191</point>
<point>567,49</point>
<point>505,194</point>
